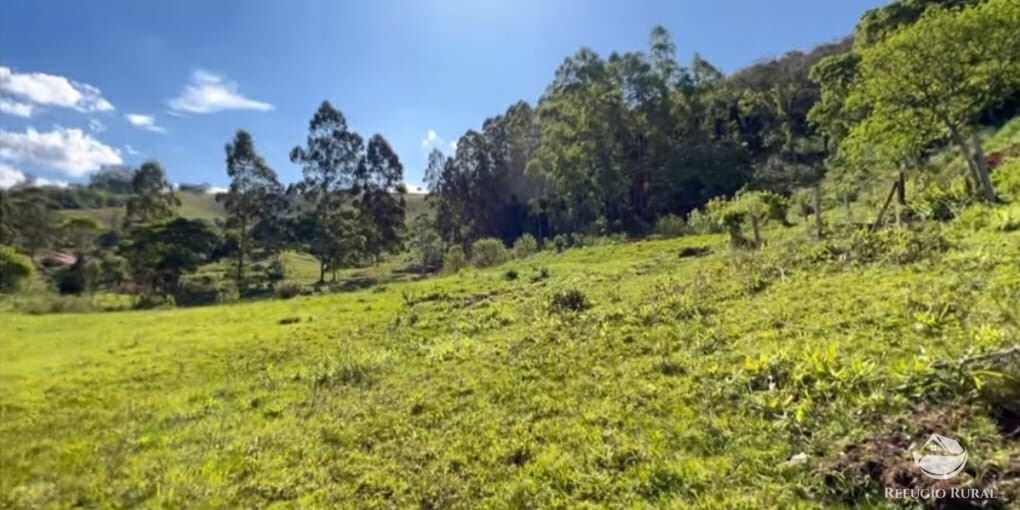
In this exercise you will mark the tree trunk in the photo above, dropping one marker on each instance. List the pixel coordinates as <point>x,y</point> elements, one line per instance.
<point>981,165</point>
<point>816,199</point>
<point>881,212</point>
<point>755,231</point>
<point>978,169</point>
<point>901,196</point>
<point>322,272</point>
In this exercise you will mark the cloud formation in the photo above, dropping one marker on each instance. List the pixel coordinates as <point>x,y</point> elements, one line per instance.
<point>147,122</point>
<point>71,151</point>
<point>16,108</point>
<point>52,90</point>
<point>209,93</point>
<point>10,176</point>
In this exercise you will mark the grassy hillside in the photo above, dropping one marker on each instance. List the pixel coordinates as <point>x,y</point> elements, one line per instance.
<point>618,375</point>
<point>205,206</point>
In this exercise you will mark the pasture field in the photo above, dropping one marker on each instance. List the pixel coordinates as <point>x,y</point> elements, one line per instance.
<point>648,374</point>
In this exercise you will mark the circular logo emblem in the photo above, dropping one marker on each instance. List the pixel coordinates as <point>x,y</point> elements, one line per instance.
<point>941,457</point>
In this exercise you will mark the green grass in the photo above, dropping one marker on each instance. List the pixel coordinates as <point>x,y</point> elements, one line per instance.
<point>205,206</point>
<point>687,383</point>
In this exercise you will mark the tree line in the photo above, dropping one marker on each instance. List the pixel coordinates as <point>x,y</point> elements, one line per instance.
<point>349,207</point>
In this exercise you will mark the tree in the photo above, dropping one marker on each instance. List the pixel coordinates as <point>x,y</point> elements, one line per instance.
<point>27,220</point>
<point>378,192</point>
<point>154,199</point>
<point>425,243</point>
<point>160,253</point>
<point>254,195</point>
<point>329,161</point>
<point>115,179</point>
<point>933,79</point>
<point>80,234</point>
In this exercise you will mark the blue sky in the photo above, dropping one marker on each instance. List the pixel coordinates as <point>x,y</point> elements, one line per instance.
<point>88,83</point>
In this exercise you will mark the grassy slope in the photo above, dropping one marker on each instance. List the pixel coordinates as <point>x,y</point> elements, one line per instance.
<point>465,391</point>
<point>205,206</point>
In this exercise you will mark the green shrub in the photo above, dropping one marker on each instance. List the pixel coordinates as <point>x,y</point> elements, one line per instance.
<point>525,245</point>
<point>290,290</point>
<point>154,301</point>
<point>454,260</point>
<point>571,300</point>
<point>205,290</point>
<point>488,252</point>
<point>510,275</point>
<point>1006,179</point>
<point>51,303</point>
<point>701,222</point>
<point>71,279</point>
<point>541,273</point>
<point>895,245</point>
<point>1007,219</point>
<point>940,201</point>
<point>670,226</point>
<point>561,242</point>
<point>15,269</point>
<point>276,271</point>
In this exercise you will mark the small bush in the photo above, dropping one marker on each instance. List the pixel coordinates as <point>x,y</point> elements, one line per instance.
<point>525,246</point>
<point>670,226</point>
<point>541,273</point>
<point>454,260</point>
<point>15,269</point>
<point>701,222</point>
<point>510,275</point>
<point>488,252</point>
<point>561,242</point>
<point>1007,219</point>
<point>50,303</point>
<point>154,301</point>
<point>276,271</point>
<point>205,291</point>
<point>290,290</point>
<point>571,300</point>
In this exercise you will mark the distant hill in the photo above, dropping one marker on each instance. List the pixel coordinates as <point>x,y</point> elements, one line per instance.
<point>205,206</point>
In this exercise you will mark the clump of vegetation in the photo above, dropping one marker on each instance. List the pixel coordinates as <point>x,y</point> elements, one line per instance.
<point>571,300</point>
<point>15,269</point>
<point>525,246</point>
<point>670,226</point>
<point>488,252</point>
<point>454,260</point>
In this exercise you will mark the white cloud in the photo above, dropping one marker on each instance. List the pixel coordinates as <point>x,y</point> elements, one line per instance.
<point>431,141</point>
<point>53,90</point>
<point>131,150</point>
<point>16,108</point>
<point>209,92</point>
<point>71,151</point>
<point>147,122</point>
<point>453,145</point>
<point>56,183</point>
<point>97,126</point>
<point>213,190</point>
<point>10,176</point>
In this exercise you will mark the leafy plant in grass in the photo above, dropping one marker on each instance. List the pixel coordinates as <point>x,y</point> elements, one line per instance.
<point>454,260</point>
<point>488,252</point>
<point>571,300</point>
<point>525,246</point>
<point>670,226</point>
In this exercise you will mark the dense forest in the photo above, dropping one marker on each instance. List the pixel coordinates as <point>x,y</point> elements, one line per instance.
<point>630,144</point>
